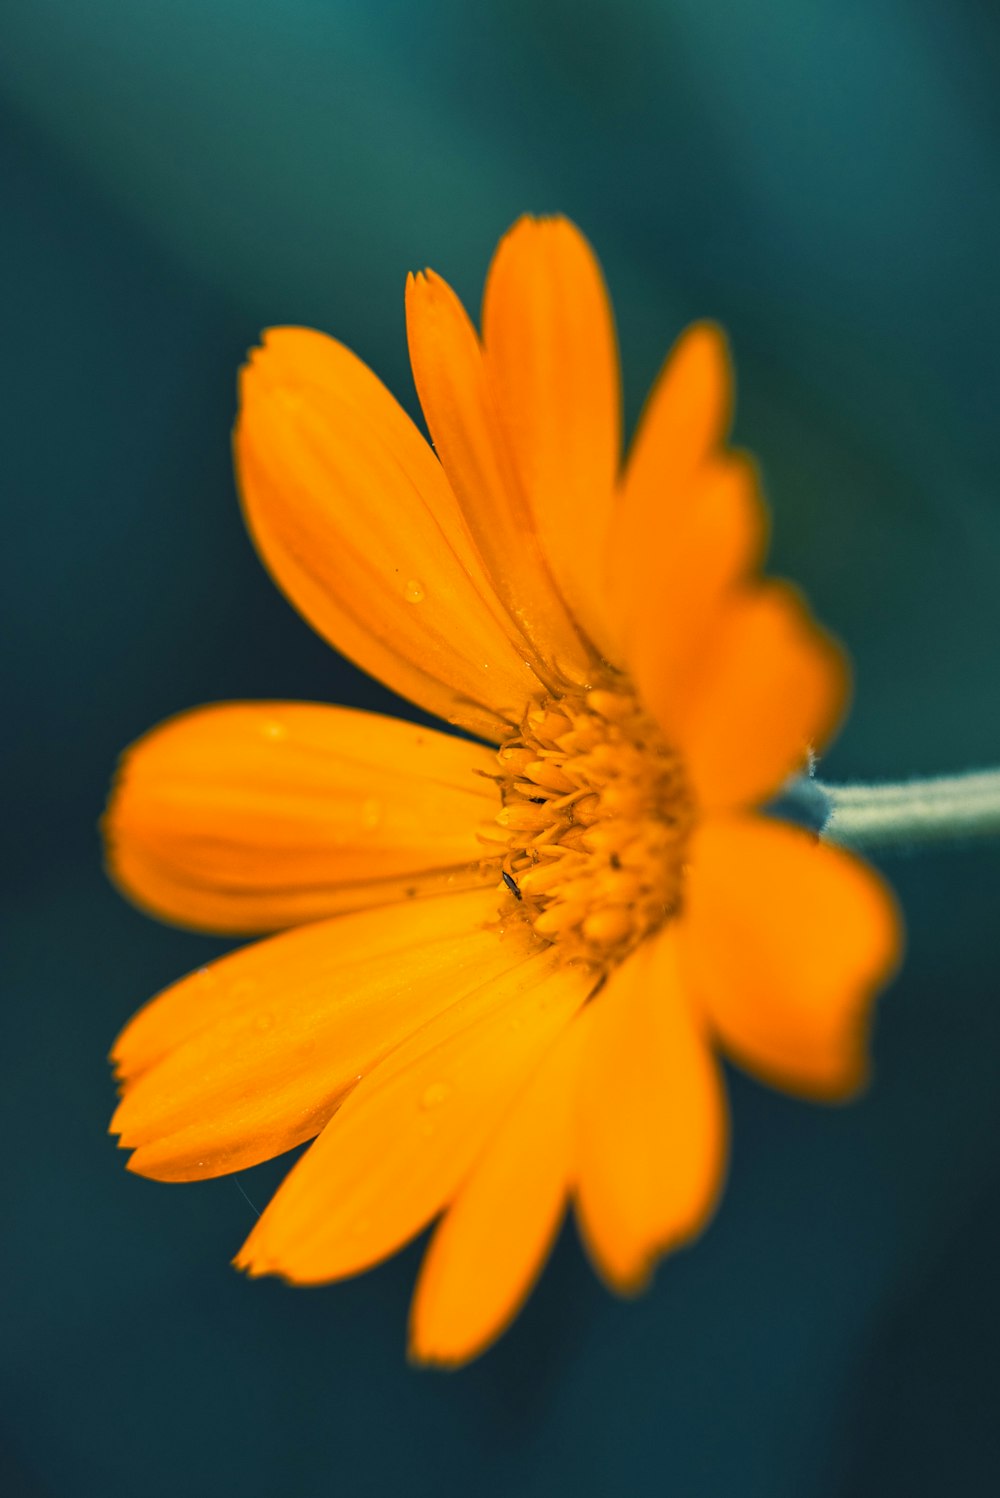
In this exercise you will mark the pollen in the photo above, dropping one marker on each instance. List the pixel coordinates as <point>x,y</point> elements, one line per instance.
<point>593,827</point>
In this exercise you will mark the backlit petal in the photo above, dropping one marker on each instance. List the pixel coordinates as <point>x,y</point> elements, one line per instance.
<point>552,356</point>
<point>251,1055</point>
<point>397,1151</point>
<point>785,940</point>
<point>652,1124</point>
<point>463,420</point>
<point>353,515</point>
<point>767,686</point>
<point>254,816</point>
<point>487,1253</point>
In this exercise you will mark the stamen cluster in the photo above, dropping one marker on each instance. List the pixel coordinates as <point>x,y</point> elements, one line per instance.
<point>594,822</point>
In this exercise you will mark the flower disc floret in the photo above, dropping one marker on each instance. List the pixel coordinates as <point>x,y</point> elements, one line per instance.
<point>595,818</point>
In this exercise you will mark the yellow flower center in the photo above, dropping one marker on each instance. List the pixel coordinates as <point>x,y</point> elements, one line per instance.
<point>594,823</point>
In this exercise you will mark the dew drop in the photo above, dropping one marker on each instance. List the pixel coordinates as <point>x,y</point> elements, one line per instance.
<point>435,1094</point>
<point>414,592</point>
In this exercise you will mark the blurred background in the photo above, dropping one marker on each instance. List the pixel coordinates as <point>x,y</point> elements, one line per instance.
<point>821,176</point>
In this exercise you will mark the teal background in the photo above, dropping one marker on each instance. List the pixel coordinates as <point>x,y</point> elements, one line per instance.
<point>822,177</point>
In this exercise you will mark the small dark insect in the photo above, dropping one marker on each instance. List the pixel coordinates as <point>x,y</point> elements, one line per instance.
<point>615,861</point>
<point>511,885</point>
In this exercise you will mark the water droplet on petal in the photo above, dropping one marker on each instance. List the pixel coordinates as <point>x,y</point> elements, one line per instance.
<point>435,1094</point>
<point>414,592</point>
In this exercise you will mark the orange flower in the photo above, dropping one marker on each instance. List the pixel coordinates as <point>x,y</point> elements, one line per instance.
<point>508,968</point>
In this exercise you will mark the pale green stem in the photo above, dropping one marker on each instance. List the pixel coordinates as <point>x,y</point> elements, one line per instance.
<point>899,815</point>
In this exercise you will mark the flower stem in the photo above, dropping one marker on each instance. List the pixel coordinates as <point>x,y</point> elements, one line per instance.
<point>900,815</point>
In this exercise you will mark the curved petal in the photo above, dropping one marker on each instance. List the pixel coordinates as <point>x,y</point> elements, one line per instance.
<point>460,410</point>
<point>676,554</point>
<point>767,685</point>
<point>488,1251</point>
<point>552,357</point>
<point>398,1150</point>
<point>652,1126</point>
<point>252,816</point>
<point>785,940</point>
<point>355,519</point>
<point>251,1055</point>
<point>686,419</point>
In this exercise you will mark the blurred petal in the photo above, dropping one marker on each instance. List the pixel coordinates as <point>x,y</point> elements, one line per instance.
<point>251,1055</point>
<point>676,552</point>
<point>767,686</point>
<point>652,1126</point>
<point>253,816</point>
<point>552,357</point>
<point>355,519</point>
<point>487,1253</point>
<point>785,941</point>
<point>406,1138</point>
<point>462,417</point>
<point>686,420</point>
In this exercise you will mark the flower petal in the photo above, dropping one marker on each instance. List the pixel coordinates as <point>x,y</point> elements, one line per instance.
<point>676,552</point>
<point>355,519</point>
<point>251,1055</point>
<point>252,816</point>
<point>488,1251</point>
<point>462,417</point>
<point>405,1139</point>
<point>552,357</point>
<point>766,687</point>
<point>685,421</point>
<point>652,1125</point>
<point>785,941</point>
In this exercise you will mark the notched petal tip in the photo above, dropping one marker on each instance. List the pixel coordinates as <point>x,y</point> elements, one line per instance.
<point>541,223</point>
<point>431,306</point>
<point>245,1262</point>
